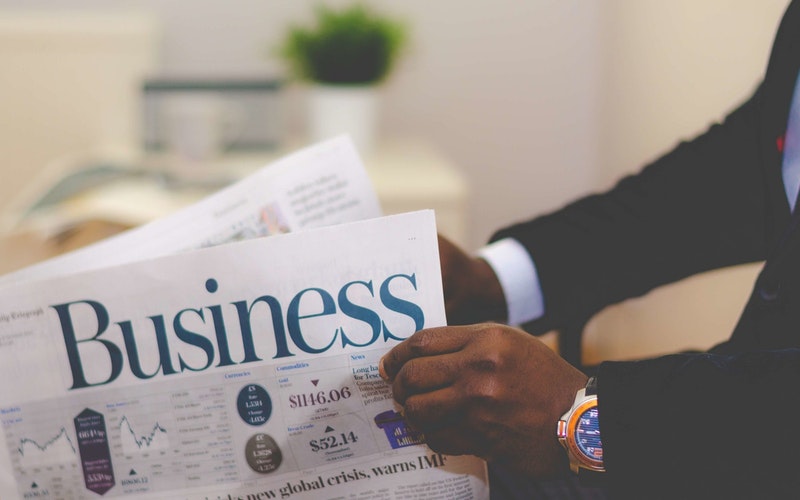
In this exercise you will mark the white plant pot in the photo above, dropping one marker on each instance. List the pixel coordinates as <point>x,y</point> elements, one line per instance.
<point>344,109</point>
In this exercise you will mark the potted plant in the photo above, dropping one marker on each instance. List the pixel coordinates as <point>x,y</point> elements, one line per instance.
<point>344,55</point>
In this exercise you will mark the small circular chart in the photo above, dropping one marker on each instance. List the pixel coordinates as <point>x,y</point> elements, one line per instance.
<point>254,404</point>
<point>263,454</point>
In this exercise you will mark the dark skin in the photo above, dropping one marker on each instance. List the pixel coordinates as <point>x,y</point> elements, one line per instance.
<point>484,389</point>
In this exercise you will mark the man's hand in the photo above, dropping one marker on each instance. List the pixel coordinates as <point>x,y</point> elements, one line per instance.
<point>487,390</point>
<point>472,292</point>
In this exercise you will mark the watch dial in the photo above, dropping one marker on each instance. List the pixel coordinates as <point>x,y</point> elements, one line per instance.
<point>587,435</point>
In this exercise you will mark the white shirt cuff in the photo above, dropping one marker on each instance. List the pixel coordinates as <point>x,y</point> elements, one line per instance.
<point>518,278</point>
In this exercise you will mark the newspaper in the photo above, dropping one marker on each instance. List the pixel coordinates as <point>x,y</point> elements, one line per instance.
<point>318,186</point>
<point>241,371</point>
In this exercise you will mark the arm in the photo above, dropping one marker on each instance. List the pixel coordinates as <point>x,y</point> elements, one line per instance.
<point>702,206</point>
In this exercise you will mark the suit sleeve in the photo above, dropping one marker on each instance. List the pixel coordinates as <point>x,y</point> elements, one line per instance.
<point>700,207</point>
<point>702,425</point>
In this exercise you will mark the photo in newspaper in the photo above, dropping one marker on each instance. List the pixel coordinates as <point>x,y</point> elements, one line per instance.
<point>245,370</point>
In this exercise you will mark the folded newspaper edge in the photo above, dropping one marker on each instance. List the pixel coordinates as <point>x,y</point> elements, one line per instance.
<point>321,185</point>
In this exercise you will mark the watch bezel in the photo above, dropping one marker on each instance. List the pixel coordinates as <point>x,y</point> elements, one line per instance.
<point>575,451</point>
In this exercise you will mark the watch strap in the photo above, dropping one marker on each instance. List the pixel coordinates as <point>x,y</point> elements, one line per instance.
<point>591,478</point>
<point>591,386</point>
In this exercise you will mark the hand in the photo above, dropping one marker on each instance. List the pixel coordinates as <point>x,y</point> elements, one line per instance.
<point>472,292</point>
<point>487,390</point>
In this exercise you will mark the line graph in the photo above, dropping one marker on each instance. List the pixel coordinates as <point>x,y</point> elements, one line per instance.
<point>134,442</point>
<point>59,448</point>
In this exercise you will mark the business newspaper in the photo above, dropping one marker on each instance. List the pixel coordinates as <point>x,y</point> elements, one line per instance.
<point>241,371</point>
<point>320,185</point>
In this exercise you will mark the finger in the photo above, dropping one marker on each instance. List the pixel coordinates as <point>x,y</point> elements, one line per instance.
<point>460,439</point>
<point>443,420</point>
<point>451,440</point>
<point>434,410</point>
<point>426,374</point>
<point>428,342</point>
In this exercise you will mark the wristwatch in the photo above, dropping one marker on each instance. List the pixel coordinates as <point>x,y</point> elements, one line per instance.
<point>579,433</point>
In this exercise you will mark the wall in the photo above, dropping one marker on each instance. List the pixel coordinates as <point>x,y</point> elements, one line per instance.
<point>508,90</point>
<point>669,70</point>
<point>537,101</point>
<point>68,84</point>
<point>505,88</point>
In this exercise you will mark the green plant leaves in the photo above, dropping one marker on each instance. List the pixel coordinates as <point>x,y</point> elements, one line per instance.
<point>349,46</point>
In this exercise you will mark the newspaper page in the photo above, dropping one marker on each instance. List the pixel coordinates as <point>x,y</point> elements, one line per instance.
<point>241,371</point>
<point>321,185</point>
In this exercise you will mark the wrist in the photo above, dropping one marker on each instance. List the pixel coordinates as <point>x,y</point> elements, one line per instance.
<point>489,291</point>
<point>473,294</point>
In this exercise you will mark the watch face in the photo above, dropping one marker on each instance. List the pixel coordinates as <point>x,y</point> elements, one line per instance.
<point>587,435</point>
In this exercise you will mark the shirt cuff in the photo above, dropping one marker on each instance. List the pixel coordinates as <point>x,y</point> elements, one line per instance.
<point>518,278</point>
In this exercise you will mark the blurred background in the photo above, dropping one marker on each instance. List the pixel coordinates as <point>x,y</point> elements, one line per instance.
<point>525,104</point>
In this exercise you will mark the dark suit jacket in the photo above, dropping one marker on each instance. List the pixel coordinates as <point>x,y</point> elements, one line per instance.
<point>724,424</point>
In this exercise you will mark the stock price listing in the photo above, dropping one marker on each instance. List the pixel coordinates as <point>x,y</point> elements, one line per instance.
<point>333,441</point>
<point>319,397</point>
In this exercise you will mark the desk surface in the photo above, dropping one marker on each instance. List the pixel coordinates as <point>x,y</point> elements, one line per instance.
<point>409,171</point>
